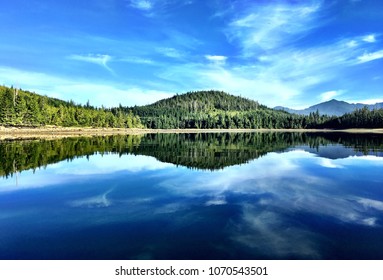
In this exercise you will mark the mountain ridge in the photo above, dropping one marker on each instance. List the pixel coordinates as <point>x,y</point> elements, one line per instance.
<point>331,107</point>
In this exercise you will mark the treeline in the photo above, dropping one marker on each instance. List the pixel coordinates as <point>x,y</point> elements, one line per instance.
<point>360,118</point>
<point>201,110</point>
<point>217,109</point>
<point>23,108</point>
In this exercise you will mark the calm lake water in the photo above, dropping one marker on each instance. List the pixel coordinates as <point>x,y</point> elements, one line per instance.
<point>193,196</point>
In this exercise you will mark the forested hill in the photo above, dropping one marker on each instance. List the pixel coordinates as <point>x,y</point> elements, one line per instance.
<point>217,109</point>
<point>24,108</point>
<point>202,101</point>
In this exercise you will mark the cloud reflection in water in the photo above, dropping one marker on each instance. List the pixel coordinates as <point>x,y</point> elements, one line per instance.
<point>271,207</point>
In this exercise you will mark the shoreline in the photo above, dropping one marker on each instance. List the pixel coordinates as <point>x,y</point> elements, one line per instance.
<point>14,133</point>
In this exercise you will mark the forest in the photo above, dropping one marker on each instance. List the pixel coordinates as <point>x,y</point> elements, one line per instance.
<point>23,108</point>
<point>360,118</point>
<point>198,110</point>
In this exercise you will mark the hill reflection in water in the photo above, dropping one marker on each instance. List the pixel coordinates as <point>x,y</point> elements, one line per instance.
<point>207,151</point>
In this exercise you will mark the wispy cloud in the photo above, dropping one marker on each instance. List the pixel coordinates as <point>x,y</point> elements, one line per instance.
<point>99,59</point>
<point>157,8</point>
<point>367,101</point>
<point>369,38</point>
<point>370,203</point>
<point>216,59</point>
<point>104,164</point>
<point>170,52</point>
<point>352,44</point>
<point>137,60</point>
<point>366,57</point>
<point>268,26</point>
<point>330,94</point>
<point>93,202</point>
<point>141,4</point>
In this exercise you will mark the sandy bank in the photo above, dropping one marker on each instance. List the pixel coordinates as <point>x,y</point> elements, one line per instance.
<point>61,132</point>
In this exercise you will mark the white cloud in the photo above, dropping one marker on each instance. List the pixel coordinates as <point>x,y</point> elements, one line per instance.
<point>325,162</point>
<point>330,94</point>
<point>270,26</point>
<point>370,203</point>
<point>369,38</point>
<point>352,44</point>
<point>99,201</point>
<point>219,200</point>
<point>101,164</point>
<point>141,4</point>
<point>170,52</point>
<point>137,60</point>
<point>99,59</point>
<point>216,59</point>
<point>370,56</point>
<point>367,101</point>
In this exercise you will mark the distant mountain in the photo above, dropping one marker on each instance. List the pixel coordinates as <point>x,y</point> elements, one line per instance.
<point>332,108</point>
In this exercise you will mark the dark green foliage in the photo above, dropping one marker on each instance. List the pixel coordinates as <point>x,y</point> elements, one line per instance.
<point>217,109</point>
<point>23,108</point>
<point>360,118</point>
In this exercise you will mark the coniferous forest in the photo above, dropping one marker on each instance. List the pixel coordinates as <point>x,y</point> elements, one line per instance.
<point>23,108</point>
<point>197,110</point>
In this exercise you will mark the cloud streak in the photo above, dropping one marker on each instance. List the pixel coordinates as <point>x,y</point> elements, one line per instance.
<point>144,5</point>
<point>330,94</point>
<point>170,52</point>
<point>369,38</point>
<point>269,26</point>
<point>99,59</point>
<point>216,59</point>
<point>367,57</point>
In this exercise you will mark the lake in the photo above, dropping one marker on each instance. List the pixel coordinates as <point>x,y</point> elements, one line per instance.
<point>193,196</point>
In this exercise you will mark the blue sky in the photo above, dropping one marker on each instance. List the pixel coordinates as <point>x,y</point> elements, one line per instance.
<point>135,52</point>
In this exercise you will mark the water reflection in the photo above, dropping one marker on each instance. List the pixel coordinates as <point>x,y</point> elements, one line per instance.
<point>297,201</point>
<point>208,151</point>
